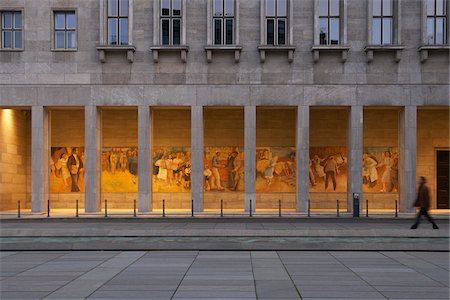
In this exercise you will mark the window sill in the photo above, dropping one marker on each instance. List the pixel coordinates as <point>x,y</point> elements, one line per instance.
<point>12,50</point>
<point>183,49</point>
<point>275,48</point>
<point>129,49</point>
<point>223,48</point>
<point>316,49</point>
<point>424,49</point>
<point>64,50</point>
<point>370,49</point>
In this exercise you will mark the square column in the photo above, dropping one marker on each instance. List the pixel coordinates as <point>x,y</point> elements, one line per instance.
<point>144,159</point>
<point>302,157</point>
<point>249,157</point>
<point>92,168</point>
<point>407,158</point>
<point>354,155</point>
<point>40,154</point>
<point>197,152</point>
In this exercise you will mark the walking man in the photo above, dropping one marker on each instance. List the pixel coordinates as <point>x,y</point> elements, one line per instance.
<point>423,202</point>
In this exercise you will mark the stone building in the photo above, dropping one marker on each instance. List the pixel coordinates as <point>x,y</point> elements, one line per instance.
<point>307,102</point>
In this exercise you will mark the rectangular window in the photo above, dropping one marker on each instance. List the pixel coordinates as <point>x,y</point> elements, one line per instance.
<point>11,30</point>
<point>329,22</point>
<point>276,22</point>
<point>223,22</point>
<point>436,22</point>
<point>382,20</point>
<point>171,11</point>
<point>118,22</point>
<point>65,26</point>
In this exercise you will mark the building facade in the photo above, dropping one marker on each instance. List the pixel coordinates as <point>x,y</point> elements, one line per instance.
<point>240,105</point>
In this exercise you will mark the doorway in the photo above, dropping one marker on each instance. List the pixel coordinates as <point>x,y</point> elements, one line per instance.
<point>443,178</point>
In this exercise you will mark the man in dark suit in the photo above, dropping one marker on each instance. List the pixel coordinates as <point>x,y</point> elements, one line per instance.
<point>423,202</point>
<point>75,166</point>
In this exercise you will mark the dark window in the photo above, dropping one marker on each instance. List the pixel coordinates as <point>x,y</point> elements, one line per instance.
<point>382,22</point>
<point>223,22</point>
<point>118,22</point>
<point>11,30</point>
<point>171,22</point>
<point>329,22</point>
<point>436,22</point>
<point>65,26</point>
<point>276,22</point>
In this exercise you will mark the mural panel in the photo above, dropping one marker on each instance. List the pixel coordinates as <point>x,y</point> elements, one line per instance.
<point>67,170</point>
<point>119,170</point>
<point>171,169</point>
<point>380,169</point>
<point>275,170</point>
<point>328,169</point>
<point>224,169</point>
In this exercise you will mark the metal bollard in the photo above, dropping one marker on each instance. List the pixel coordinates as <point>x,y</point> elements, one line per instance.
<point>18,208</point>
<point>76,208</point>
<point>309,207</point>
<point>367,208</point>
<point>251,215</point>
<point>106,208</point>
<point>192,207</point>
<point>396,208</point>
<point>134,208</point>
<point>48,208</point>
<point>279,208</point>
<point>164,208</point>
<point>221,208</point>
<point>337,208</point>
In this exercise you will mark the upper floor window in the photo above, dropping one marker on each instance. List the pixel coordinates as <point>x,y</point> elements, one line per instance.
<point>276,22</point>
<point>171,15</point>
<point>223,22</point>
<point>11,30</point>
<point>65,26</point>
<point>436,33</point>
<point>329,22</point>
<point>382,22</point>
<point>118,22</point>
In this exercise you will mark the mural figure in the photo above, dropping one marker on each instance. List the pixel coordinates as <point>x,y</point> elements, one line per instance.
<point>380,163</point>
<point>119,169</point>
<point>171,169</point>
<point>66,169</point>
<point>222,174</point>
<point>275,170</point>
<point>328,164</point>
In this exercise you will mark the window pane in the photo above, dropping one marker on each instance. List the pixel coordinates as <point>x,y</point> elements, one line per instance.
<point>71,39</point>
<point>18,39</point>
<point>217,31</point>
<point>59,21</point>
<point>71,21</point>
<point>323,7</point>
<point>334,7</point>
<point>229,8</point>
<point>376,31</point>
<point>376,8</point>
<point>440,7</point>
<point>387,8</point>
<point>123,8</point>
<point>430,30</point>
<point>281,8</point>
<point>323,31</point>
<point>112,8</point>
<point>112,31</point>
<point>7,20</point>
<point>440,29</point>
<point>123,31</point>
<point>229,32</point>
<point>430,7</point>
<point>59,40</point>
<point>270,32</point>
<point>218,10</point>
<point>176,7</point>
<point>165,7</point>
<point>387,31</point>
<point>334,31</point>
<point>165,32</point>
<point>18,20</point>
<point>176,31</point>
<point>270,8</point>
<point>281,32</point>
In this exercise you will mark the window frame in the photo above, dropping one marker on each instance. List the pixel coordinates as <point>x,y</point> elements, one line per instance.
<point>342,25</point>
<point>275,18</point>
<point>12,10</point>
<point>383,17</point>
<point>104,24</point>
<point>223,21</point>
<point>328,18</point>
<point>54,11</point>
<point>396,24</point>
<point>118,18</point>
<point>171,18</point>
<point>157,30</point>
<point>435,17</point>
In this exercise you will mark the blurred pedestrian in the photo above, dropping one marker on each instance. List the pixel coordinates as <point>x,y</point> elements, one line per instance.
<point>423,203</point>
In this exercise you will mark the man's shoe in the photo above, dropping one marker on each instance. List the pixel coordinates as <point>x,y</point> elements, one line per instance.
<point>435,226</point>
<point>414,226</point>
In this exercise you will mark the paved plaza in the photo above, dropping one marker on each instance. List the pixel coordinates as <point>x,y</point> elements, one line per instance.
<point>224,275</point>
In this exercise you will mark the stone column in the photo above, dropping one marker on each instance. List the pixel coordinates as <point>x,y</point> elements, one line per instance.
<point>354,155</point>
<point>197,156</point>
<point>302,157</point>
<point>407,158</point>
<point>249,157</point>
<point>144,159</point>
<point>40,153</point>
<point>92,168</point>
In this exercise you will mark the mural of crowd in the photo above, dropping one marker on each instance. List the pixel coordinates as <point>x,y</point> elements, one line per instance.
<point>380,170</point>
<point>67,169</point>
<point>328,169</point>
<point>275,169</point>
<point>119,169</point>
<point>171,169</point>
<point>224,169</point>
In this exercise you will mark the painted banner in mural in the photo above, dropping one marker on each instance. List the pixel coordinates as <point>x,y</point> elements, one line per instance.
<point>119,170</point>
<point>224,169</point>
<point>67,170</point>
<point>380,169</point>
<point>275,170</point>
<point>171,169</point>
<point>328,169</point>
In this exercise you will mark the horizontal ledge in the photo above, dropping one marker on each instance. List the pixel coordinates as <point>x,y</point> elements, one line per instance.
<point>383,48</point>
<point>276,48</point>
<point>170,48</point>
<point>434,47</point>
<point>116,48</point>
<point>330,48</point>
<point>11,50</point>
<point>64,50</point>
<point>223,48</point>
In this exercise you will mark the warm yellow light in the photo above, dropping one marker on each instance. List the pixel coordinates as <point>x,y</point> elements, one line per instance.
<point>7,123</point>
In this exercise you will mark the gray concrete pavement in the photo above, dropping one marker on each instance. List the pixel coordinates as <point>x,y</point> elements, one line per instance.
<point>224,275</point>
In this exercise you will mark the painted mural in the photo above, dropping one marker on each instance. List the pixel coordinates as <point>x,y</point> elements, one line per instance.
<point>328,169</point>
<point>171,169</point>
<point>380,169</point>
<point>67,170</point>
<point>119,169</point>
<point>275,170</point>
<point>224,169</point>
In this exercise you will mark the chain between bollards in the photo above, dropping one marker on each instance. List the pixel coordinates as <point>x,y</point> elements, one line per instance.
<point>134,208</point>
<point>396,208</point>
<point>337,208</point>
<point>279,208</point>
<point>367,208</point>
<point>76,208</point>
<point>48,208</point>
<point>221,208</point>
<point>164,209</point>
<point>309,207</point>
<point>251,215</point>
<point>192,207</point>
<point>106,208</point>
<point>18,208</point>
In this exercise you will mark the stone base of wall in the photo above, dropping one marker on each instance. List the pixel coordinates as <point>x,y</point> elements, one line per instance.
<point>270,201</point>
<point>176,201</point>
<point>231,201</point>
